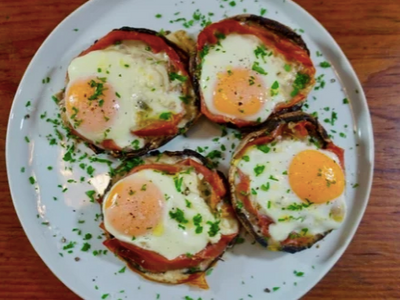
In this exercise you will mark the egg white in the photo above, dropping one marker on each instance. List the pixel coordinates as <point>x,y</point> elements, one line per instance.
<point>315,219</point>
<point>167,238</point>
<point>237,51</point>
<point>139,76</point>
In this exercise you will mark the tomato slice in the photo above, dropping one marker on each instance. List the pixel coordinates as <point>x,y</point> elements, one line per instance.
<point>290,50</point>
<point>263,222</point>
<point>243,186</point>
<point>301,128</point>
<point>242,193</point>
<point>171,169</point>
<point>222,119</point>
<point>156,263</point>
<point>195,279</point>
<point>110,144</point>
<point>285,46</point>
<point>338,151</point>
<point>210,176</point>
<point>297,241</point>
<point>161,128</point>
<point>156,43</point>
<point>218,187</point>
<point>264,139</point>
<point>156,128</point>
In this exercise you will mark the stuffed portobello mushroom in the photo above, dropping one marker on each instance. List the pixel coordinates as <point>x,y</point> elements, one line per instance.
<point>248,67</point>
<point>169,216</point>
<point>288,183</point>
<point>130,92</point>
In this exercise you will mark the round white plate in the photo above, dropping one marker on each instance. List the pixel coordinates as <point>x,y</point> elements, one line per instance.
<point>56,213</point>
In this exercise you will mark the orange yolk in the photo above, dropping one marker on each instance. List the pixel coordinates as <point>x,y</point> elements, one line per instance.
<point>239,92</point>
<point>134,207</point>
<point>91,105</point>
<point>316,177</point>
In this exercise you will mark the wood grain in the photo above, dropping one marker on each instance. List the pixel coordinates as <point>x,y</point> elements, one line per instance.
<point>369,33</point>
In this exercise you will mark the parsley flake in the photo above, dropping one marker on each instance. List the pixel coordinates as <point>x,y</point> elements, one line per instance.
<point>165,116</point>
<point>178,183</point>
<point>246,158</point>
<point>300,83</point>
<point>325,64</point>
<point>214,228</point>
<point>265,187</point>
<point>256,67</point>
<point>176,76</point>
<point>178,215</point>
<point>259,169</point>
<point>91,194</point>
<point>263,148</point>
<point>85,247</point>
<point>263,11</point>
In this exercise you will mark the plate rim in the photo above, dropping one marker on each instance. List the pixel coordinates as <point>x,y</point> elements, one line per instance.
<point>370,138</point>
<point>34,243</point>
<point>356,222</point>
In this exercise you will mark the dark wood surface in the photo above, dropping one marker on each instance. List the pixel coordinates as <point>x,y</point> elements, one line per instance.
<point>369,33</point>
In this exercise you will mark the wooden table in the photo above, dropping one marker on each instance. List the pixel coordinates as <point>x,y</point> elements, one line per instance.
<point>369,33</point>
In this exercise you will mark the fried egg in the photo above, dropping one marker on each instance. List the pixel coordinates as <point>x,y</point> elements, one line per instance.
<point>300,187</point>
<point>113,92</point>
<point>163,213</point>
<point>243,79</point>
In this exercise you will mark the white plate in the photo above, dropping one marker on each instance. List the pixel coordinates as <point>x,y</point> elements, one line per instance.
<point>248,269</point>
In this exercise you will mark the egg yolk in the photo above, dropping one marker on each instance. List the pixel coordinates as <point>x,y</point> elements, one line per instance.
<point>239,92</point>
<point>91,104</point>
<point>134,207</point>
<point>316,177</point>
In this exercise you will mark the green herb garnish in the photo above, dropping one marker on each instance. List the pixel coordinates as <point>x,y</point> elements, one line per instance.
<point>178,215</point>
<point>256,67</point>
<point>259,169</point>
